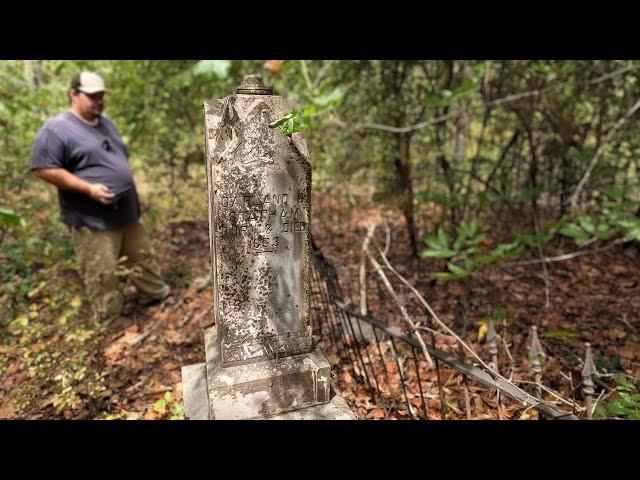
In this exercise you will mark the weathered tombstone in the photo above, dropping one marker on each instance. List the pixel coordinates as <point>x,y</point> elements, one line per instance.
<point>260,360</point>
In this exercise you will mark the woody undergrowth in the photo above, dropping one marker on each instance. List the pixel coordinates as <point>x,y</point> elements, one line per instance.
<point>50,364</point>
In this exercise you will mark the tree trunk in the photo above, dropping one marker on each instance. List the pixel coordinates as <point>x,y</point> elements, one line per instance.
<point>565,182</point>
<point>405,187</point>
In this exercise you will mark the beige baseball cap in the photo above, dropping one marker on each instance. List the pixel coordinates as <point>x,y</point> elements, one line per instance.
<point>91,83</point>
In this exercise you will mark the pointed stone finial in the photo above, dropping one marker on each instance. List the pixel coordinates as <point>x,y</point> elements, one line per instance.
<point>535,352</point>
<point>491,331</point>
<point>492,340</point>
<point>535,348</point>
<point>588,370</point>
<point>253,85</point>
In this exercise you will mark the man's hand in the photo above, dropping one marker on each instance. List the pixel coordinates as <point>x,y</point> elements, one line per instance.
<point>100,193</point>
<point>65,180</point>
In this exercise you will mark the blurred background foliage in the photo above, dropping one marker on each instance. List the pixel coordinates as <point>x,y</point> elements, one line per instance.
<point>440,142</point>
<point>484,160</point>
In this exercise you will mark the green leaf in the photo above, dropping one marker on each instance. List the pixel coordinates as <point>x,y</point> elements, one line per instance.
<point>18,324</point>
<point>504,249</point>
<point>605,232</point>
<point>332,98</point>
<point>469,265</point>
<point>476,239</point>
<point>434,242</point>
<point>600,412</point>
<point>281,121</point>
<point>457,270</point>
<point>473,227</point>
<point>623,385</point>
<point>587,224</point>
<point>443,238</point>
<point>160,406</point>
<point>617,409</point>
<point>208,68</point>
<point>500,314</point>
<point>634,233</point>
<point>561,333</point>
<point>528,240</point>
<point>574,232</point>
<point>446,276</point>
<point>457,245</point>
<point>167,396</point>
<point>437,253</point>
<point>10,219</point>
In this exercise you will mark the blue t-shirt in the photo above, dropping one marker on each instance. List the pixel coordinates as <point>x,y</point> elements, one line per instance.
<point>97,155</point>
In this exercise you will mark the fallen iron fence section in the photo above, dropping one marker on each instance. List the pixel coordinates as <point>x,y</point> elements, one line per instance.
<point>389,365</point>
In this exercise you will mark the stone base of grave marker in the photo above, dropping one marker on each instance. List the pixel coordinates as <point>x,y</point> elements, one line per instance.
<point>291,388</point>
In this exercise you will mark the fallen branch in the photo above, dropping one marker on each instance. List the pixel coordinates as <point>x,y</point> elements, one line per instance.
<point>403,310</point>
<point>553,393</point>
<point>568,256</point>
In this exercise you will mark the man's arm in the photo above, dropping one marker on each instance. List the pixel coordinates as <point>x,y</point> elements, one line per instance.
<point>66,180</point>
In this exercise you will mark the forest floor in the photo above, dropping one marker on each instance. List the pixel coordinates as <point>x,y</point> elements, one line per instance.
<point>77,367</point>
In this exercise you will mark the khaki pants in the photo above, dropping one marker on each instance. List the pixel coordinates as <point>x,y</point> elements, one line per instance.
<point>99,252</point>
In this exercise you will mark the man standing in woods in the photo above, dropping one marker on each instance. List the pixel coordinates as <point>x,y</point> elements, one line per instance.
<point>81,153</point>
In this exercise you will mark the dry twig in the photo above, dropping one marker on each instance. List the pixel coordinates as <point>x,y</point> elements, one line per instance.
<point>392,292</point>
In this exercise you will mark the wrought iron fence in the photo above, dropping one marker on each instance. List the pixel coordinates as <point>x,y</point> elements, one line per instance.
<point>389,366</point>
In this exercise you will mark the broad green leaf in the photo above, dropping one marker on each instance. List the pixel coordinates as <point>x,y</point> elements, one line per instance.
<point>332,98</point>
<point>600,412</point>
<point>437,253</point>
<point>219,68</point>
<point>453,268</point>
<point>443,238</point>
<point>634,233</point>
<point>446,276</point>
<point>434,242</point>
<point>628,223</point>
<point>477,239</point>
<point>504,249</point>
<point>160,406</point>
<point>469,265</point>
<point>574,232</point>
<point>587,224</point>
<point>616,408</point>
<point>473,227</point>
<point>282,120</point>
<point>457,245</point>
<point>524,239</point>
<point>561,333</point>
<point>605,232</point>
<point>18,324</point>
<point>10,219</point>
